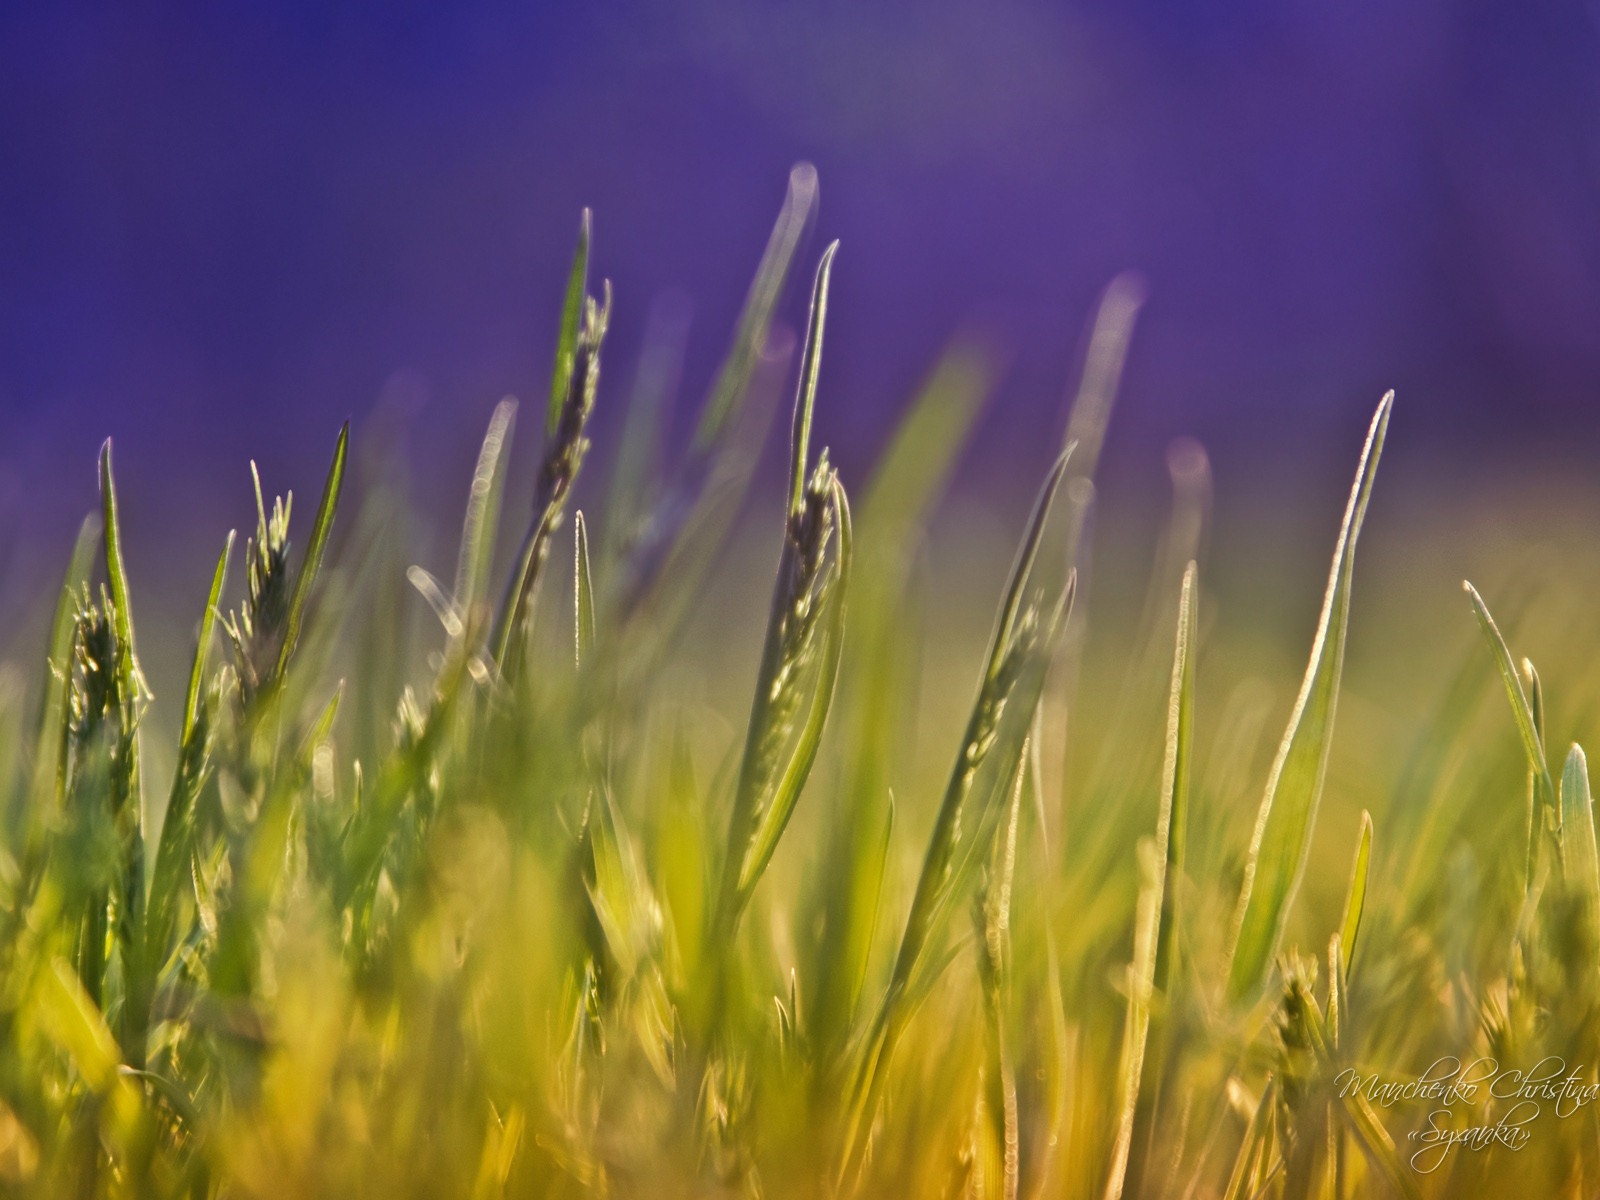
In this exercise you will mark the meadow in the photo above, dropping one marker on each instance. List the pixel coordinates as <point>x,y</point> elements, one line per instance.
<point>625,872</point>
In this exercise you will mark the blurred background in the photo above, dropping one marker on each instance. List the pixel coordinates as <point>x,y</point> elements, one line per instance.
<point>224,228</point>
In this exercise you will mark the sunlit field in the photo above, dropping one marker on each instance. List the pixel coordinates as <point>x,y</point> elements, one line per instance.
<point>705,831</point>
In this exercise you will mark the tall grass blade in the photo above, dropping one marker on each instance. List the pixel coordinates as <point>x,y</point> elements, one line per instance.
<point>1172,829</point>
<point>175,847</point>
<point>571,323</point>
<point>482,523</point>
<point>133,682</point>
<point>315,549</point>
<point>1136,1028</point>
<point>583,592</point>
<point>1547,810</point>
<point>755,319</point>
<point>202,650</point>
<point>1283,829</point>
<point>1355,897</point>
<point>771,773</point>
<point>991,747</point>
<point>1150,972</point>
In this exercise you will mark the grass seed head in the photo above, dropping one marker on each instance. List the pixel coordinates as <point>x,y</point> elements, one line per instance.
<point>257,628</point>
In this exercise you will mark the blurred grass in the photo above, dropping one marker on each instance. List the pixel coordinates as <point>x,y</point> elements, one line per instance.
<point>888,876</point>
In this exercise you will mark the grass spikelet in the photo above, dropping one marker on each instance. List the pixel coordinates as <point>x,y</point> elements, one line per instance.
<point>1288,810</point>
<point>805,626</point>
<point>566,447</point>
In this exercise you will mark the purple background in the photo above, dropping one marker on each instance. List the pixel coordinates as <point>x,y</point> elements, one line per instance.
<point>224,229</point>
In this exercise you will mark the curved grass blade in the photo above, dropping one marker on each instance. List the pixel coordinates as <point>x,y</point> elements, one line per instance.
<point>1283,829</point>
<point>315,549</point>
<point>1355,898</point>
<point>571,323</point>
<point>755,319</point>
<point>476,557</point>
<point>1547,807</point>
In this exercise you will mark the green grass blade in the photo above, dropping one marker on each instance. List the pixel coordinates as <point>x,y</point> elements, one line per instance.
<point>583,591</point>
<point>1356,897</point>
<point>914,469</point>
<point>1136,1027</point>
<point>482,523</point>
<point>1150,972</point>
<point>1022,566</point>
<point>1548,812</point>
<point>133,681</point>
<point>202,650</point>
<point>1102,369</point>
<point>1288,810</point>
<point>315,549</point>
<point>1577,818</point>
<point>810,366</point>
<point>1380,1148</point>
<point>571,321</point>
<point>945,843</point>
<point>170,870</point>
<point>1172,829</point>
<point>755,319</point>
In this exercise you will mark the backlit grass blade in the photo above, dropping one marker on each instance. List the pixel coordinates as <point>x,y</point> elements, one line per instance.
<point>810,368</point>
<point>1102,369</point>
<point>571,323</point>
<point>1000,1140</point>
<point>988,763</point>
<point>1136,1028</point>
<point>1155,922</point>
<point>1283,828</point>
<point>202,650</point>
<point>482,523</point>
<point>755,319</point>
<point>1172,829</point>
<point>170,871</point>
<point>133,681</point>
<point>875,698</point>
<point>1578,837</point>
<point>775,763</point>
<point>1547,808</point>
<point>946,842</point>
<point>1355,897</point>
<point>583,592</point>
<point>315,548</point>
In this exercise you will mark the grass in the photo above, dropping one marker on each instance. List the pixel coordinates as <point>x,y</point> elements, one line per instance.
<point>513,911</point>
